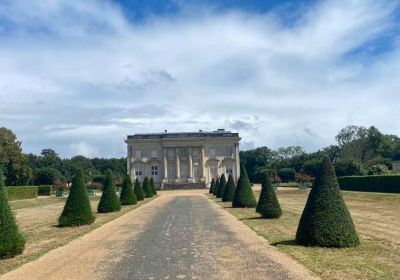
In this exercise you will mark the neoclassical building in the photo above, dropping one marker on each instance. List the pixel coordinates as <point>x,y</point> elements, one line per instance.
<point>183,157</point>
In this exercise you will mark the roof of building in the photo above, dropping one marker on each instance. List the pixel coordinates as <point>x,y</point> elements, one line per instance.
<point>200,133</point>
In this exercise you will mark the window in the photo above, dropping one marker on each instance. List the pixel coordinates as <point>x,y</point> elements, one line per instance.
<point>154,154</point>
<point>229,171</point>
<point>196,152</point>
<point>154,170</point>
<point>138,154</point>
<point>229,151</point>
<point>138,173</point>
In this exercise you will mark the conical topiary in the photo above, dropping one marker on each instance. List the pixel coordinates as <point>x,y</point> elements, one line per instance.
<point>139,190</point>
<point>146,187</point>
<point>222,186</point>
<point>128,196</point>
<point>153,186</point>
<point>326,221</point>
<point>244,196</point>
<point>12,242</point>
<point>212,186</point>
<point>268,204</point>
<point>77,210</point>
<point>109,201</point>
<point>216,189</point>
<point>229,189</point>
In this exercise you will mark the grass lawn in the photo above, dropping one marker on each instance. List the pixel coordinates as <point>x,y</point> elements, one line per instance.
<point>375,215</point>
<point>37,219</point>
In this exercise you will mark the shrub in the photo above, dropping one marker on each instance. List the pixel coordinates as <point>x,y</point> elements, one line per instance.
<point>138,190</point>
<point>128,196</point>
<point>45,190</point>
<point>378,183</point>
<point>77,210</point>
<point>348,168</point>
<point>146,187</point>
<point>153,186</point>
<point>229,190</point>
<point>212,186</point>
<point>287,174</point>
<point>109,201</point>
<point>21,192</point>
<point>263,172</point>
<point>46,176</point>
<point>216,189</point>
<point>99,179</point>
<point>268,204</point>
<point>222,186</point>
<point>244,196</point>
<point>378,169</point>
<point>12,242</point>
<point>326,221</point>
<point>310,167</point>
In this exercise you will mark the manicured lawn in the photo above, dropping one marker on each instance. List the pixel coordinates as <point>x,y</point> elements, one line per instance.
<point>37,219</point>
<point>375,215</point>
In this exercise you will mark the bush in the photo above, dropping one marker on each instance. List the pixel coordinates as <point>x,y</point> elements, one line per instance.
<point>12,242</point>
<point>326,221</point>
<point>212,186</point>
<point>348,168</point>
<point>244,196</point>
<point>222,186</point>
<point>379,183</point>
<point>21,192</point>
<point>45,190</point>
<point>153,186</point>
<point>287,174</point>
<point>139,190</point>
<point>128,196</point>
<point>109,201</point>
<point>99,179</point>
<point>268,204</point>
<point>263,172</point>
<point>77,210</point>
<point>46,176</point>
<point>378,169</point>
<point>310,167</point>
<point>216,189</point>
<point>146,188</point>
<point>229,190</point>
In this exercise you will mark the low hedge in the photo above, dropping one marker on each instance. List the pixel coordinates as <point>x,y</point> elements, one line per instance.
<point>377,183</point>
<point>21,192</point>
<point>45,190</point>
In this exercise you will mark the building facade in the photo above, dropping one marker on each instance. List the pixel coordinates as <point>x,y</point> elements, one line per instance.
<point>183,158</point>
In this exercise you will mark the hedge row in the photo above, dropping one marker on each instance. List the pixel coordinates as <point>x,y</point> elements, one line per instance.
<point>21,192</point>
<point>45,190</point>
<point>378,183</point>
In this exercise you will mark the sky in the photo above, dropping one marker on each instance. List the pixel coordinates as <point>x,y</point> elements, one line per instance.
<point>79,76</point>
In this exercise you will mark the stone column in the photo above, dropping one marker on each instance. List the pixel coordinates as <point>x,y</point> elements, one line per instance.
<point>177,166</point>
<point>190,170</point>
<point>165,164</point>
<point>203,165</point>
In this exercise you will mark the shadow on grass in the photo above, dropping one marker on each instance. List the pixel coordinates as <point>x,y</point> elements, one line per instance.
<point>286,243</point>
<point>251,218</point>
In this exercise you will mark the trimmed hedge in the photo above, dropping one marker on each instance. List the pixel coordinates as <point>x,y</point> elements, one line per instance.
<point>222,186</point>
<point>287,174</point>
<point>45,190</point>
<point>244,196</point>
<point>21,192</point>
<point>212,186</point>
<point>374,183</point>
<point>229,190</point>
<point>109,201</point>
<point>268,204</point>
<point>128,196</point>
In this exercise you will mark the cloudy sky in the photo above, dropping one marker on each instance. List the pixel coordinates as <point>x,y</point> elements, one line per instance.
<point>78,76</point>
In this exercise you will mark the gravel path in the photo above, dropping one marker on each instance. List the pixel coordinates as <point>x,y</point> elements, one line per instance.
<point>180,235</point>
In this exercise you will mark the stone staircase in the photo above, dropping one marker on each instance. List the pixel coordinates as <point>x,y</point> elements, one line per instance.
<point>183,186</point>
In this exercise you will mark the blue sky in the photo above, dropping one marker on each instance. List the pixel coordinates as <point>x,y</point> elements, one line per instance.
<point>78,76</point>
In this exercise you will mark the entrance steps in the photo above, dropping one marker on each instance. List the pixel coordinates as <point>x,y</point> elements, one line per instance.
<point>183,186</point>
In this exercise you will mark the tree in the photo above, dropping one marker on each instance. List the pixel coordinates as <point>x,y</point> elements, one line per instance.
<point>244,196</point>
<point>216,189</point>
<point>153,186</point>
<point>139,190</point>
<point>46,176</point>
<point>12,242</point>
<point>346,167</point>
<point>128,196</point>
<point>326,221</point>
<point>310,167</point>
<point>109,201</point>
<point>287,174</point>
<point>268,204</point>
<point>212,186</point>
<point>146,187</point>
<point>77,210</point>
<point>229,190</point>
<point>222,186</point>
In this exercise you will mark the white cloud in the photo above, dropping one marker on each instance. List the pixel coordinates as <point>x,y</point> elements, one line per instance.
<point>79,72</point>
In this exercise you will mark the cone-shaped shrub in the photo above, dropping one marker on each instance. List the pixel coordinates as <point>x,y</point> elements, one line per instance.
<point>77,210</point>
<point>326,221</point>
<point>229,189</point>
<point>12,242</point>
<point>128,196</point>
<point>216,189</point>
<point>109,201</point>
<point>153,186</point>
<point>146,187</point>
<point>212,186</point>
<point>139,190</point>
<point>222,186</point>
<point>244,196</point>
<point>268,204</point>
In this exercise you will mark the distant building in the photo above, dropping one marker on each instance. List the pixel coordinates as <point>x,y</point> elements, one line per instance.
<point>183,157</point>
<point>396,166</point>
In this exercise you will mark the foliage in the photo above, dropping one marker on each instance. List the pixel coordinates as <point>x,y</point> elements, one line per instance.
<point>46,176</point>
<point>146,187</point>
<point>244,196</point>
<point>396,156</point>
<point>21,192</point>
<point>222,186</point>
<point>109,201</point>
<point>287,174</point>
<point>378,169</point>
<point>77,210</point>
<point>262,172</point>
<point>348,168</point>
<point>12,242</point>
<point>310,167</point>
<point>379,183</point>
<point>45,190</point>
<point>117,165</point>
<point>128,196</point>
<point>326,220</point>
<point>212,186</point>
<point>153,186</point>
<point>268,204</point>
<point>216,189</point>
<point>138,189</point>
<point>229,189</point>
<point>99,179</point>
